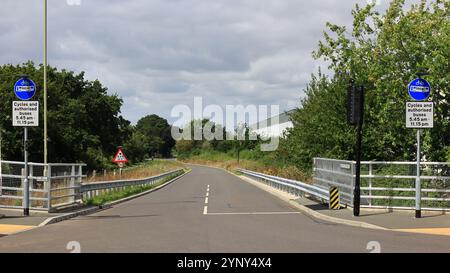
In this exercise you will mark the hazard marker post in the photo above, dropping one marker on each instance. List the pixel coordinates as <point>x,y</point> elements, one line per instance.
<point>334,202</point>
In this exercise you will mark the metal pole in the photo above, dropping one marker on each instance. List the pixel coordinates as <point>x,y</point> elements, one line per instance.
<point>370,183</point>
<point>45,82</point>
<point>418,186</point>
<point>26,188</point>
<point>357,189</point>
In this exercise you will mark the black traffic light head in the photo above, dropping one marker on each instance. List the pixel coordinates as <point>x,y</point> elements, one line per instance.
<point>355,104</point>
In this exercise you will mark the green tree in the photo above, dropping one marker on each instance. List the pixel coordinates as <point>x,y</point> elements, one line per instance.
<point>157,132</point>
<point>84,122</point>
<point>383,52</point>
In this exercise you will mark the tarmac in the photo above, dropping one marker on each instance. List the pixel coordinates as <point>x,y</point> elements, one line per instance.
<point>432,222</point>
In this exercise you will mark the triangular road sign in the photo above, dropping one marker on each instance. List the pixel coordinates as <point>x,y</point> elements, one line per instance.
<point>120,157</point>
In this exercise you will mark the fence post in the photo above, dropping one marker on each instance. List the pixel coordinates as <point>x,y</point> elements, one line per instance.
<point>30,178</point>
<point>48,186</point>
<point>72,184</point>
<point>80,180</point>
<point>22,185</point>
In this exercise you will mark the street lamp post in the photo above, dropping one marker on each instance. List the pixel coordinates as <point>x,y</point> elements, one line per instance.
<point>45,83</point>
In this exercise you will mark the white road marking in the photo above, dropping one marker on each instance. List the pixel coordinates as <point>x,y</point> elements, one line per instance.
<point>205,209</point>
<point>254,213</point>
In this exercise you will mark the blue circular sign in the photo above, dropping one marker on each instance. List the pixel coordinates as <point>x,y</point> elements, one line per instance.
<point>419,89</point>
<point>25,89</point>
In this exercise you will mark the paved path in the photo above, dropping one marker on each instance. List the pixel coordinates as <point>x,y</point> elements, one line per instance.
<point>239,218</point>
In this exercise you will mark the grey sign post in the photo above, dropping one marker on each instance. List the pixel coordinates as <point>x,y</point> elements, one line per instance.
<point>25,114</point>
<point>419,114</point>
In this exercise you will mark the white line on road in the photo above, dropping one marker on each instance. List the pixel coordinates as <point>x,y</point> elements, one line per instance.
<point>254,213</point>
<point>205,209</point>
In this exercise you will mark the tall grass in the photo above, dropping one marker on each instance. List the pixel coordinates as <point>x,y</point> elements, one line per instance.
<point>143,170</point>
<point>248,160</point>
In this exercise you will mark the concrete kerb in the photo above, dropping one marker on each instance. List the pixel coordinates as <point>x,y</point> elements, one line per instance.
<point>87,211</point>
<point>284,196</point>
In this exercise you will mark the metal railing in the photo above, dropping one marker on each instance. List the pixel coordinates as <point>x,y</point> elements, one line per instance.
<point>92,189</point>
<point>50,185</point>
<point>388,184</point>
<point>57,185</point>
<point>289,185</point>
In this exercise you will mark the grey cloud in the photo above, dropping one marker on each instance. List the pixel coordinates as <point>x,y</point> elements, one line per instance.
<point>159,53</point>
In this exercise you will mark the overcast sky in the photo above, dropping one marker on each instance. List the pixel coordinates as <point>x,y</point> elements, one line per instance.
<point>159,53</point>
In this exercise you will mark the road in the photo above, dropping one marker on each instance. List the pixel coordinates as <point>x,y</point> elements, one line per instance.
<point>239,218</point>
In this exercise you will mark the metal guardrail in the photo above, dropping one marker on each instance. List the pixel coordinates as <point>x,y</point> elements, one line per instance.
<point>289,185</point>
<point>56,184</point>
<point>387,184</point>
<point>92,189</point>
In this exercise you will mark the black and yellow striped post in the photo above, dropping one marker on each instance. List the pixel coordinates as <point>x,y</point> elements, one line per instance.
<point>334,198</point>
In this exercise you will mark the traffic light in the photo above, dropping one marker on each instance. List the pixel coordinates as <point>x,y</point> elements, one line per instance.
<point>355,110</point>
<point>355,104</point>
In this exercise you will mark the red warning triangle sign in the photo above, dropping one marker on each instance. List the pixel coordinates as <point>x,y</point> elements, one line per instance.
<point>120,157</point>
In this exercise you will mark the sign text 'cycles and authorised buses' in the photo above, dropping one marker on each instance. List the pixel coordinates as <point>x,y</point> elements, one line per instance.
<point>419,114</point>
<point>25,113</point>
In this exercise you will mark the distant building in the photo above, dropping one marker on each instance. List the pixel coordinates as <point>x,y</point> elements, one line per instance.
<point>272,127</point>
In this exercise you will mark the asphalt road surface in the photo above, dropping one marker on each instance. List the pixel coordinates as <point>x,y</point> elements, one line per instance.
<point>239,218</point>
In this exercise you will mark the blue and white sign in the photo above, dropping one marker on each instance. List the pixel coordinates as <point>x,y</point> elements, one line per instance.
<point>419,89</point>
<point>25,89</point>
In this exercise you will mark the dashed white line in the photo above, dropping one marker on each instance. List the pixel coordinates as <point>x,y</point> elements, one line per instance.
<point>205,208</point>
